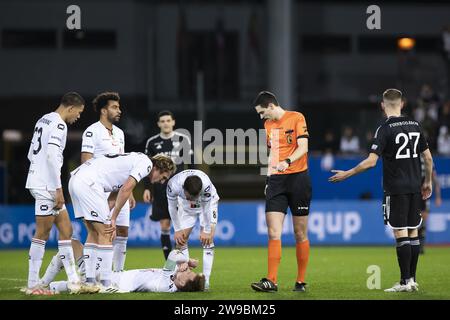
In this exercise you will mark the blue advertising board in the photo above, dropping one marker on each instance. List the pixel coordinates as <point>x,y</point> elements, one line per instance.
<point>333,222</point>
<point>366,184</point>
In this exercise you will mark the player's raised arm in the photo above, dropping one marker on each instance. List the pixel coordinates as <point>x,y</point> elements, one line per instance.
<point>341,175</point>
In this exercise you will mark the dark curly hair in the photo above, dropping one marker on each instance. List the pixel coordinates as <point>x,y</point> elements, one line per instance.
<point>101,100</point>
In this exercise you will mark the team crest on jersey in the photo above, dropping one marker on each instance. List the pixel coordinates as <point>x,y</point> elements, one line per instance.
<point>289,137</point>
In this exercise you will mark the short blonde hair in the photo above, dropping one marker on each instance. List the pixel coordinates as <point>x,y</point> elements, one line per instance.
<point>164,163</point>
<point>194,285</point>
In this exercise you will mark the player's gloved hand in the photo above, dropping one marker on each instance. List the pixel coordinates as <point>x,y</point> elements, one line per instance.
<point>180,238</point>
<point>205,238</point>
<point>147,196</point>
<point>59,199</point>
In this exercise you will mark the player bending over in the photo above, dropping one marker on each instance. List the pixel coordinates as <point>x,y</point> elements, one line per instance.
<point>191,194</point>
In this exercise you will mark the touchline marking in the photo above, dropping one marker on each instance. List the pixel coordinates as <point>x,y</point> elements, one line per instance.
<point>12,279</point>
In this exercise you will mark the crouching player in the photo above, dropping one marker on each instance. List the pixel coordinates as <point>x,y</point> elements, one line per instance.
<point>191,194</point>
<point>176,275</point>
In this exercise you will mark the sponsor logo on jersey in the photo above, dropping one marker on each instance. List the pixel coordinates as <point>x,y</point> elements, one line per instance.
<point>45,121</point>
<point>61,126</point>
<point>89,134</point>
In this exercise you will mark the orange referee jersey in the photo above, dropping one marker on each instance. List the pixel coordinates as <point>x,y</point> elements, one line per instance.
<point>282,138</point>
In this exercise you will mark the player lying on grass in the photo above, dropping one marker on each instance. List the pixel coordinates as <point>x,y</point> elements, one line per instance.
<point>176,275</point>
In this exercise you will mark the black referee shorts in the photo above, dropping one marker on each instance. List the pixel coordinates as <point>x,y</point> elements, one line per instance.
<point>289,190</point>
<point>160,208</point>
<point>402,211</point>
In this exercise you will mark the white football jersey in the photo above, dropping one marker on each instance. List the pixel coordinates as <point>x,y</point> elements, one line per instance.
<point>112,170</point>
<point>151,280</point>
<point>50,130</point>
<point>98,140</point>
<point>145,280</point>
<point>202,205</point>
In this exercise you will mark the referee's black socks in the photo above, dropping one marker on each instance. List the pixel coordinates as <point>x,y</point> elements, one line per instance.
<point>415,251</point>
<point>404,258</point>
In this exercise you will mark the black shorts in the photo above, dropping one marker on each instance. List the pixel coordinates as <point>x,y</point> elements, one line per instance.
<point>402,211</point>
<point>160,208</point>
<point>289,190</point>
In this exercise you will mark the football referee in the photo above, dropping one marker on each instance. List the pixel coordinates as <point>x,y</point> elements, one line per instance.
<point>288,185</point>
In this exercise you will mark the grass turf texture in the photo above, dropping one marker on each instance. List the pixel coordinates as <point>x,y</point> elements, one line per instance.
<point>333,273</point>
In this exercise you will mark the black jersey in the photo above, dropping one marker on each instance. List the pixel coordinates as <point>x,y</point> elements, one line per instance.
<point>174,147</point>
<point>400,141</point>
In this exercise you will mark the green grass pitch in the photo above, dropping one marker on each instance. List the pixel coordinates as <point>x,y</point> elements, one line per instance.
<point>333,273</point>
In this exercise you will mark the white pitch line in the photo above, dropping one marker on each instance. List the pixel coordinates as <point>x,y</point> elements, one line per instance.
<point>12,279</point>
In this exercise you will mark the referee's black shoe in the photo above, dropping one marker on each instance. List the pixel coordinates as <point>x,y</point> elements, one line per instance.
<point>265,285</point>
<point>300,287</point>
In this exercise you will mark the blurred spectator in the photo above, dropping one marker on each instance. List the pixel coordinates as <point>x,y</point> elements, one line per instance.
<point>329,142</point>
<point>446,53</point>
<point>444,117</point>
<point>349,141</point>
<point>443,141</point>
<point>329,148</point>
<point>427,104</point>
<point>369,140</point>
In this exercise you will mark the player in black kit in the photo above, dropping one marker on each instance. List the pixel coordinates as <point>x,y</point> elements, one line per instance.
<point>173,144</point>
<point>401,143</point>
